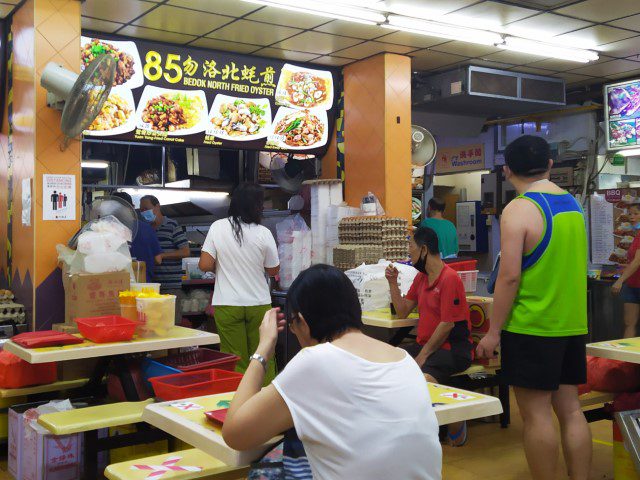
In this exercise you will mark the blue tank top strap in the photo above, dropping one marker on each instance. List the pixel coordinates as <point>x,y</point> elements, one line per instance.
<point>541,201</point>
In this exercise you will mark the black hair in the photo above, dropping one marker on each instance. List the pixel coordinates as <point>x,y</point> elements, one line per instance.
<point>124,196</point>
<point>437,205</point>
<point>425,236</point>
<point>154,201</point>
<point>327,300</point>
<point>247,204</point>
<point>528,156</point>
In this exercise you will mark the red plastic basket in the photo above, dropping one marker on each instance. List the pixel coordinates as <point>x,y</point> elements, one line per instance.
<point>195,384</point>
<point>464,266</point>
<point>110,328</point>
<point>200,359</point>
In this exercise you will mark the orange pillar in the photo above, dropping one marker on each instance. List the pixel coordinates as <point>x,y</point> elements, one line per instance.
<point>43,31</point>
<point>377,132</point>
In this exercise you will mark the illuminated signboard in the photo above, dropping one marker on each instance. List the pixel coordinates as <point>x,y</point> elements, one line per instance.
<point>622,108</point>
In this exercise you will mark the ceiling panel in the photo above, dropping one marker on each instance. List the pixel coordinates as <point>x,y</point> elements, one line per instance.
<point>534,71</point>
<point>430,8</point>
<point>489,13</point>
<point>122,11</point>
<point>543,4</point>
<point>545,25</point>
<point>514,58</point>
<point>214,44</point>
<point>429,60</point>
<point>176,19</point>
<point>256,33</point>
<point>608,68</point>
<point>314,42</point>
<point>602,10</point>
<point>286,54</point>
<point>99,25</point>
<point>350,29</point>
<point>592,37</point>
<point>279,16</point>
<point>158,35</point>
<point>233,8</point>
<point>465,49</point>
<point>333,61</point>
<point>625,75</point>
<point>574,77</point>
<point>367,49</point>
<point>412,39</point>
<point>564,65</point>
<point>632,23</point>
<point>623,48</point>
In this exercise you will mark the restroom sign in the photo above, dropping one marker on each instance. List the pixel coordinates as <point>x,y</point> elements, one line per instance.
<point>58,197</point>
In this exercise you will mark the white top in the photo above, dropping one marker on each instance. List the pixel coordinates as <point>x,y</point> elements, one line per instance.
<point>359,419</point>
<point>240,276</point>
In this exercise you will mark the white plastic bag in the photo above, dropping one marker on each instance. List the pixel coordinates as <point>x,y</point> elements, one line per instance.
<point>294,248</point>
<point>372,286</point>
<point>91,242</point>
<point>371,206</point>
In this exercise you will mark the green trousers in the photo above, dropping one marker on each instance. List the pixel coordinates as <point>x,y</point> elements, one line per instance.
<point>238,328</point>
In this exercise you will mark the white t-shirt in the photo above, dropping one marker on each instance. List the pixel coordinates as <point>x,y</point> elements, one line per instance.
<point>359,419</point>
<point>240,276</point>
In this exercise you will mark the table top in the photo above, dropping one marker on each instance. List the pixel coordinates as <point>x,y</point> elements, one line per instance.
<point>185,419</point>
<point>384,319</point>
<point>178,337</point>
<point>49,387</point>
<point>625,349</point>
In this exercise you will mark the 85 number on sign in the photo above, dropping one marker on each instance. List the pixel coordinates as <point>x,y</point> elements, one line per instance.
<point>153,69</point>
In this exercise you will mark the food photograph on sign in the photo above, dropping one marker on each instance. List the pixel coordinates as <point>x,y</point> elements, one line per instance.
<point>623,114</point>
<point>199,97</point>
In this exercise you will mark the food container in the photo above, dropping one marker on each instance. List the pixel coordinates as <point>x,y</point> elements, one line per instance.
<point>156,314</point>
<point>195,384</point>
<point>110,328</point>
<point>470,280</point>
<point>145,287</point>
<point>128,308</point>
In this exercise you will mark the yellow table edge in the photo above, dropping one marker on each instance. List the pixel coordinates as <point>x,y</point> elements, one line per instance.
<point>624,350</point>
<point>49,387</point>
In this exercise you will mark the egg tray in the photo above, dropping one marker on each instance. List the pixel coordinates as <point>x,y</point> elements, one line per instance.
<point>351,256</point>
<point>6,296</point>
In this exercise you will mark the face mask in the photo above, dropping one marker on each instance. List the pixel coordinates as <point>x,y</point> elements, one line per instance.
<point>148,216</point>
<point>420,265</point>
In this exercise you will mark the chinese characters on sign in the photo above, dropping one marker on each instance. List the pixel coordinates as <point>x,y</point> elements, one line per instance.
<point>460,159</point>
<point>58,197</point>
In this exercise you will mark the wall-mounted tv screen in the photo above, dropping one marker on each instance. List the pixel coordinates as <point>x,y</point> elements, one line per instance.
<point>622,114</point>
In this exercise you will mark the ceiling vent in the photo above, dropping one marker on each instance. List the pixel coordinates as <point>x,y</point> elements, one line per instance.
<point>486,92</point>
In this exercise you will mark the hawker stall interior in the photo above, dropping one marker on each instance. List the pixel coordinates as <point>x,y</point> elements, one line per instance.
<point>320,240</point>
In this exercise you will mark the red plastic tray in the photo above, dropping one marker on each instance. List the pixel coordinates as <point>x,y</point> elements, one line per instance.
<point>200,359</point>
<point>195,384</point>
<point>45,338</point>
<point>464,266</point>
<point>110,328</point>
<point>217,416</point>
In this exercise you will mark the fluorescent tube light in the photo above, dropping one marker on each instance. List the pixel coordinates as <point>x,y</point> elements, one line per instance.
<point>547,50</point>
<point>94,164</point>
<point>632,152</point>
<point>331,10</point>
<point>425,27</point>
<point>170,196</point>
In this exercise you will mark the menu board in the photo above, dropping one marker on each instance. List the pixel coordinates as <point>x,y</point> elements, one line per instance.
<point>622,105</point>
<point>611,230</point>
<point>193,97</point>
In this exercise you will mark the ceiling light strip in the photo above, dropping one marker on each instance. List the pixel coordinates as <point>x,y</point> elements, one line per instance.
<point>547,50</point>
<point>424,27</point>
<point>340,12</point>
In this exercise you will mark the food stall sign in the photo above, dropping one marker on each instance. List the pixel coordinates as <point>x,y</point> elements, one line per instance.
<point>460,159</point>
<point>622,114</point>
<point>194,97</point>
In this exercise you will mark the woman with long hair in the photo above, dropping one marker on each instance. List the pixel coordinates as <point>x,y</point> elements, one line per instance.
<point>242,253</point>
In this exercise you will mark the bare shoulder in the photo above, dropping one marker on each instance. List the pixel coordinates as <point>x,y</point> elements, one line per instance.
<point>519,208</point>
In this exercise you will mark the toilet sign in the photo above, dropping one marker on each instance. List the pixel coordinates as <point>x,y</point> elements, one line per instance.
<point>58,197</point>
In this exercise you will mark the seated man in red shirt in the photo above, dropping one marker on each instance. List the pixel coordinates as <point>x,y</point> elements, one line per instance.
<point>444,346</point>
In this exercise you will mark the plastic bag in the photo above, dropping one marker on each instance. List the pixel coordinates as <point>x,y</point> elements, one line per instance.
<point>373,287</point>
<point>91,242</point>
<point>371,206</point>
<point>294,248</point>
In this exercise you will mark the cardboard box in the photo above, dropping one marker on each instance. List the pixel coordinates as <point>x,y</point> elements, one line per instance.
<point>92,295</point>
<point>139,271</point>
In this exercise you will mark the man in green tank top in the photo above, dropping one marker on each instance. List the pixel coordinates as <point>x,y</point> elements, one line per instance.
<point>540,311</point>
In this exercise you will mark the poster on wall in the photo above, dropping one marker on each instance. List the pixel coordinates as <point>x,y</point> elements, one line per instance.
<point>611,230</point>
<point>460,159</point>
<point>622,108</point>
<point>193,97</point>
<point>58,197</point>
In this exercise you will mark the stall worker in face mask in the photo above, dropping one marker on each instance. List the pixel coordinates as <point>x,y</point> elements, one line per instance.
<point>629,282</point>
<point>444,346</point>
<point>175,247</point>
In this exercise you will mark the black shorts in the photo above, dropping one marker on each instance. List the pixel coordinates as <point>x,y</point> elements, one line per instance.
<point>543,363</point>
<point>441,364</point>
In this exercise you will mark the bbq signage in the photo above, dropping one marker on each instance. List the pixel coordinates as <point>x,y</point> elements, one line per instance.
<point>622,107</point>
<point>193,97</point>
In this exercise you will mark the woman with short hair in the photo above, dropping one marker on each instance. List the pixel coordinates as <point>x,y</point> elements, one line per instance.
<point>360,407</point>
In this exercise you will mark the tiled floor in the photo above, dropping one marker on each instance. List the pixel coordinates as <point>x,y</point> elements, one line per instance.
<point>497,454</point>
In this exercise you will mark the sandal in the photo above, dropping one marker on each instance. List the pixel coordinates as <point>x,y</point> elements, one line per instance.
<point>459,438</point>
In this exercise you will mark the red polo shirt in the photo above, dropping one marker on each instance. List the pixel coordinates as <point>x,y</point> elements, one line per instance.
<point>634,280</point>
<point>444,300</point>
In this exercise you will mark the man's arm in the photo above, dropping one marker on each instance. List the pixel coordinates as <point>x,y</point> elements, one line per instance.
<point>512,238</point>
<point>183,252</point>
<point>440,335</point>
<point>628,271</point>
<point>403,305</point>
